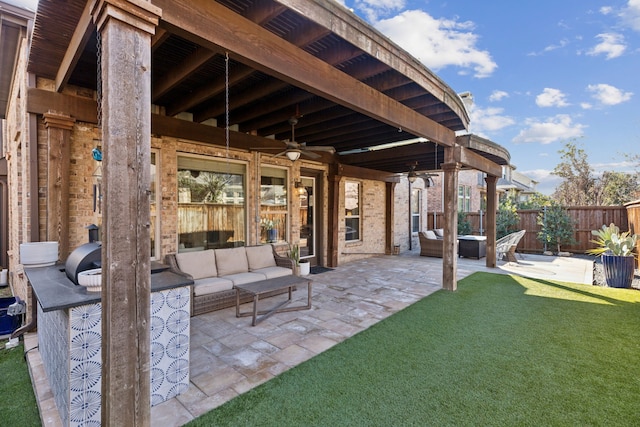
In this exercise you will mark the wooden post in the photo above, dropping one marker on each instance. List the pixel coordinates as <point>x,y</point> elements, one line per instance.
<point>389,243</point>
<point>59,127</point>
<point>125,28</point>
<point>333,215</point>
<point>450,244</point>
<point>492,207</point>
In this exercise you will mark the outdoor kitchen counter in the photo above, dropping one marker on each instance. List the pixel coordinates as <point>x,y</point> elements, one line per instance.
<point>55,291</point>
<point>70,340</point>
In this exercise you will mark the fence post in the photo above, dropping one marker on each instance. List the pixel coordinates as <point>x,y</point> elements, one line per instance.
<point>544,222</point>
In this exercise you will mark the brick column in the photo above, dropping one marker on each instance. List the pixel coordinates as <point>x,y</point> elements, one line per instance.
<point>125,28</point>
<point>59,127</point>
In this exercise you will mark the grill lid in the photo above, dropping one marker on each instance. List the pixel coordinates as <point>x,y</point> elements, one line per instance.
<point>85,257</point>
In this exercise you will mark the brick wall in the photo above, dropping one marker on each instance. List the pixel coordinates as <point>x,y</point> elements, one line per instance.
<point>372,218</point>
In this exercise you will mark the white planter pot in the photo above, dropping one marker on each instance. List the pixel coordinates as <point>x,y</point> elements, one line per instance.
<point>38,254</point>
<point>91,279</point>
<point>305,268</point>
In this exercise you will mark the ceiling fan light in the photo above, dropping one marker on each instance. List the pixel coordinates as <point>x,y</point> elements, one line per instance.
<point>293,154</point>
<point>412,176</point>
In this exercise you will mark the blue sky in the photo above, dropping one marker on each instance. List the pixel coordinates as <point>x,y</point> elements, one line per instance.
<point>541,72</point>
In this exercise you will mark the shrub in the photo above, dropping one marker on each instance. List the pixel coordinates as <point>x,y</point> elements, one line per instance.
<point>464,225</point>
<point>507,220</point>
<point>557,226</point>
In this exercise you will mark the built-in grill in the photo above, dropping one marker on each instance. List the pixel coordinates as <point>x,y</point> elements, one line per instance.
<point>85,257</point>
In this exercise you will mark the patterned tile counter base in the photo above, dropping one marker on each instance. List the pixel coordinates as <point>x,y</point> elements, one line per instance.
<point>70,343</point>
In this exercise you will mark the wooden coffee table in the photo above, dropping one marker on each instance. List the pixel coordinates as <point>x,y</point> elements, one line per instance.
<point>257,289</point>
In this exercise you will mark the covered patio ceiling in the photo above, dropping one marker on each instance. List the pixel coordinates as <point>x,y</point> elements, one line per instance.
<point>349,87</point>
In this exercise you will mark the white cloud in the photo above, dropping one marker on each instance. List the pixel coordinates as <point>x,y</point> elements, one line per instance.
<point>374,9</point>
<point>586,106</point>
<point>608,95</point>
<point>606,10</point>
<point>551,98</point>
<point>488,120</point>
<point>498,95</point>
<point>631,14</point>
<point>550,130</point>
<point>612,45</point>
<point>562,43</point>
<point>439,43</point>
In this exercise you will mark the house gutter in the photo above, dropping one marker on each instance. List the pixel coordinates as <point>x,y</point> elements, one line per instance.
<point>34,227</point>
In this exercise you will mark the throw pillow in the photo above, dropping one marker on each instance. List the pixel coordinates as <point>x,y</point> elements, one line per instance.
<point>260,257</point>
<point>198,264</point>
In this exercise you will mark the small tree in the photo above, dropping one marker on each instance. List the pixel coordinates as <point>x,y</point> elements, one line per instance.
<point>507,220</point>
<point>464,226</point>
<point>557,226</point>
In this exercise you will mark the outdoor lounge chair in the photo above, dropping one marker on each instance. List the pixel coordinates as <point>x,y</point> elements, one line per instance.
<point>430,245</point>
<point>506,246</point>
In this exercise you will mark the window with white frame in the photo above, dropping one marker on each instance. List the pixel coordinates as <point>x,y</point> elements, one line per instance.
<point>211,203</point>
<point>416,204</point>
<point>464,198</point>
<point>273,204</point>
<point>352,212</point>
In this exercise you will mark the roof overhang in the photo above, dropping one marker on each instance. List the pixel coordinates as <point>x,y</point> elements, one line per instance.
<point>350,87</point>
<point>14,25</point>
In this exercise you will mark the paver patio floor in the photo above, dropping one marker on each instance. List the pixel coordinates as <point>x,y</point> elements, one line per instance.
<point>229,356</point>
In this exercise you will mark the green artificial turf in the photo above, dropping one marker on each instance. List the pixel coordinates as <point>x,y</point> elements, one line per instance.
<point>501,350</point>
<point>17,402</point>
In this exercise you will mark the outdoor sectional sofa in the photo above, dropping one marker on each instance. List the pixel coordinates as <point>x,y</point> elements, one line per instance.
<point>215,272</point>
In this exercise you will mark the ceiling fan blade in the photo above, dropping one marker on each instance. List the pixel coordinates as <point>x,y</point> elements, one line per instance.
<point>326,149</point>
<point>282,153</point>
<point>310,154</point>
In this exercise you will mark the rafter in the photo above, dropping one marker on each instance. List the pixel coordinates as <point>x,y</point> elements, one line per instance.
<point>265,51</point>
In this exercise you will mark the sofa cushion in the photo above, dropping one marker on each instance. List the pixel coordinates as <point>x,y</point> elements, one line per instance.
<point>198,264</point>
<point>273,272</point>
<point>439,232</point>
<point>430,235</point>
<point>210,285</point>
<point>242,278</point>
<point>260,257</point>
<point>231,261</point>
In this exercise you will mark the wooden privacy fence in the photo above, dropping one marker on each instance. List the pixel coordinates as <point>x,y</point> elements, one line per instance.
<point>586,218</point>
<point>633,218</point>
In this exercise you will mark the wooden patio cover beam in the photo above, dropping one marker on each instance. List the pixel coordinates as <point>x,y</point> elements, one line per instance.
<point>76,46</point>
<point>211,24</point>
<point>472,160</point>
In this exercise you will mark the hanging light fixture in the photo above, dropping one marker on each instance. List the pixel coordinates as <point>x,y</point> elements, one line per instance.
<point>412,175</point>
<point>293,154</point>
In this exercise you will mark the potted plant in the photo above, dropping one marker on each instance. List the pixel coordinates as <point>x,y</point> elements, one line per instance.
<point>302,267</point>
<point>616,251</point>
<point>270,226</point>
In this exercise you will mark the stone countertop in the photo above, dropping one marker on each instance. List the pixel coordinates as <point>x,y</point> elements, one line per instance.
<point>55,291</point>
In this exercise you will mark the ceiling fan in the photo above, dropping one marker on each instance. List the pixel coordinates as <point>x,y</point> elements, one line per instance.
<point>412,175</point>
<point>294,149</point>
